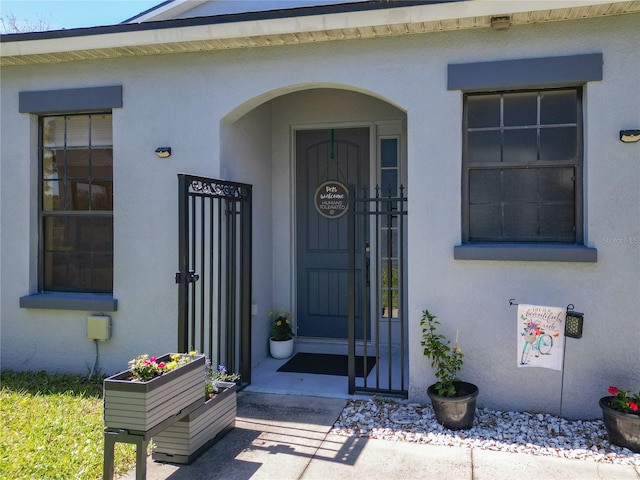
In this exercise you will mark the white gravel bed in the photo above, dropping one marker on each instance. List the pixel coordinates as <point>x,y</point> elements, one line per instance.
<point>522,432</point>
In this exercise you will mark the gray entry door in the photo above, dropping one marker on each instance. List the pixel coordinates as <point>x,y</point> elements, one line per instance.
<point>340,155</point>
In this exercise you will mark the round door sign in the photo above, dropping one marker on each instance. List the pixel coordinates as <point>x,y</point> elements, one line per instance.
<point>331,199</point>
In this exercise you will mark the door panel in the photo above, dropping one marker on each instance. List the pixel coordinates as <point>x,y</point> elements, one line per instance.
<point>323,155</point>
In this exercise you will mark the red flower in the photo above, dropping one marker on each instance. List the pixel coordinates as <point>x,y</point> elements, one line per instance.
<point>633,406</point>
<point>161,365</point>
<point>613,390</point>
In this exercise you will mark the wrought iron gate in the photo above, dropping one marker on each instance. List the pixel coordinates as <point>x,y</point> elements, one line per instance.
<point>214,300</point>
<point>377,232</point>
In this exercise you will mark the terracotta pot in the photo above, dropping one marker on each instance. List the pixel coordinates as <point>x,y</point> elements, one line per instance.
<point>455,413</point>
<point>623,428</point>
<point>281,348</point>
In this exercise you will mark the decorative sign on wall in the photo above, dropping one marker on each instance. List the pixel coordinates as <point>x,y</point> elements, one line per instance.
<point>540,334</point>
<point>331,199</point>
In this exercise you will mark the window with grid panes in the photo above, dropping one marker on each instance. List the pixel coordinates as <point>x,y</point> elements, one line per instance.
<point>76,203</point>
<point>522,166</point>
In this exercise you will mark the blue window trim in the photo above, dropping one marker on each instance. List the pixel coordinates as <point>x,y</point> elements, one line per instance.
<point>76,100</point>
<point>70,301</point>
<point>525,73</point>
<point>525,252</point>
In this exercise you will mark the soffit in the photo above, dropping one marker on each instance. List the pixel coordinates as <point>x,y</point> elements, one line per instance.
<point>299,30</point>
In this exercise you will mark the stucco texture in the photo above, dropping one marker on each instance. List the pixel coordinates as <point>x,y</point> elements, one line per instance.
<point>231,115</point>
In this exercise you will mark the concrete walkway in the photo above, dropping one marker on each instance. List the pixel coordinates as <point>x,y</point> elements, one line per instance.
<point>286,437</point>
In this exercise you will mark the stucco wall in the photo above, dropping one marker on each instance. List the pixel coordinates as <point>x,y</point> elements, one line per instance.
<point>145,212</point>
<point>183,101</point>
<point>246,157</point>
<point>472,296</point>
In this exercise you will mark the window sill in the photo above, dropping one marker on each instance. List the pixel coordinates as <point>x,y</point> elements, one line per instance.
<point>527,252</point>
<point>70,301</point>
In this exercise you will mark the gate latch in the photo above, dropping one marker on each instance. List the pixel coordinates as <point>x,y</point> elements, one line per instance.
<point>367,249</point>
<point>192,277</point>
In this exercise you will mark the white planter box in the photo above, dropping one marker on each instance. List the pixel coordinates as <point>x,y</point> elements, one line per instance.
<point>186,439</point>
<point>140,406</point>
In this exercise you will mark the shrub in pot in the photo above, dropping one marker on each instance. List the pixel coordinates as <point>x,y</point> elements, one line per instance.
<point>281,341</point>
<point>454,401</point>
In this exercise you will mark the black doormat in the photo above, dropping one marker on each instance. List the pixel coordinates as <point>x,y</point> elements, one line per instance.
<point>326,364</point>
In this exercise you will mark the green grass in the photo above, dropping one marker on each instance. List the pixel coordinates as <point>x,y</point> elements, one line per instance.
<point>51,427</point>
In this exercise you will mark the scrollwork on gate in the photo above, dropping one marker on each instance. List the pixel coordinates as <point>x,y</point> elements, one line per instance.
<point>219,189</point>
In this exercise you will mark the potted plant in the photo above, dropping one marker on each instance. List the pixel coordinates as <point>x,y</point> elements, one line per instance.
<point>621,413</point>
<point>454,401</point>
<point>281,341</point>
<point>186,439</point>
<point>152,390</point>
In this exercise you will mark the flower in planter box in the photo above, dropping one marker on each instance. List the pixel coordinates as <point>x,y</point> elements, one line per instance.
<point>281,326</point>
<point>214,377</point>
<point>623,402</point>
<point>144,368</point>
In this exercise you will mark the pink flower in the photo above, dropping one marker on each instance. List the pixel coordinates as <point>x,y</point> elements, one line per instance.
<point>613,390</point>
<point>161,365</point>
<point>633,406</point>
<point>152,359</point>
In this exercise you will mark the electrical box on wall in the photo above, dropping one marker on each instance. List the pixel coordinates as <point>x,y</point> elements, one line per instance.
<point>99,327</point>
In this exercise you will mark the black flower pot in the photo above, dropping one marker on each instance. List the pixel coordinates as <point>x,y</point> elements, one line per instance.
<point>623,428</point>
<point>455,413</point>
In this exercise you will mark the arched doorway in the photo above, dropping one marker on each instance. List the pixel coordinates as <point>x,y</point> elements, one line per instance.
<point>283,147</point>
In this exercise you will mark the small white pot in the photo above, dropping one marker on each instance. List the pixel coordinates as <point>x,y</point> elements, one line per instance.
<point>281,349</point>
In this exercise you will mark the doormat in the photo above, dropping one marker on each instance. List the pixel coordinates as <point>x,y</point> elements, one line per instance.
<point>325,364</point>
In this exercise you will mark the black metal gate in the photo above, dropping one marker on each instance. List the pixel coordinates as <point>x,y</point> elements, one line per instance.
<point>214,300</point>
<point>377,232</point>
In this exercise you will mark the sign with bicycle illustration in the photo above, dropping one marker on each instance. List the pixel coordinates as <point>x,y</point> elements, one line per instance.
<point>540,334</point>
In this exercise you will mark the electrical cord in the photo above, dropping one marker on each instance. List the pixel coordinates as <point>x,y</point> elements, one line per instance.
<point>95,364</point>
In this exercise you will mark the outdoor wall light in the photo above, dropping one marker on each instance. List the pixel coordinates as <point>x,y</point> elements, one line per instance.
<point>573,323</point>
<point>163,152</point>
<point>500,23</point>
<point>629,136</point>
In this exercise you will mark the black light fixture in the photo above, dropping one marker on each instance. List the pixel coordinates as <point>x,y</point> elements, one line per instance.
<point>629,136</point>
<point>163,152</point>
<point>573,323</point>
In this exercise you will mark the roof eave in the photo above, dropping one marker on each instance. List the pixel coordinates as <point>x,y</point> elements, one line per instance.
<point>268,28</point>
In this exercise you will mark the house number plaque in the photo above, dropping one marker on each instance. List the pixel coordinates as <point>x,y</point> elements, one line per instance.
<point>331,199</point>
